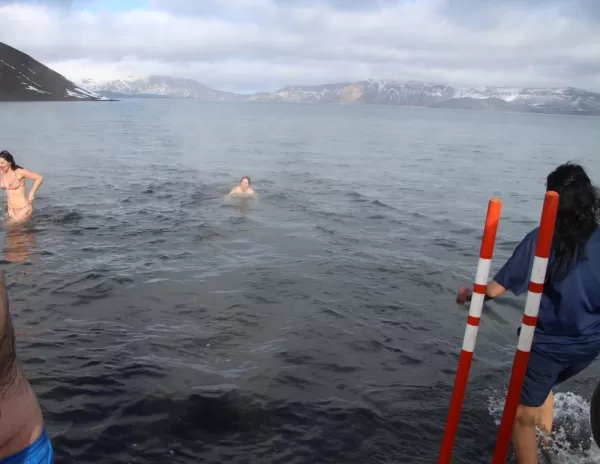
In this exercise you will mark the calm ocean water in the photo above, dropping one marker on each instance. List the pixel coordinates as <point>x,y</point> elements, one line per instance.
<point>162,323</point>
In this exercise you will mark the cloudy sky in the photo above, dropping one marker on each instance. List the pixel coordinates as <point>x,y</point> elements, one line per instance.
<point>254,45</point>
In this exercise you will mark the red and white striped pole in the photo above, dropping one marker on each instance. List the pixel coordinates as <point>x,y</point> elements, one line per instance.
<point>466,356</point>
<point>532,307</point>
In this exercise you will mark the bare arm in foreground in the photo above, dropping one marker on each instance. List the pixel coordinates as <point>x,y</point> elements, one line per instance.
<point>21,421</point>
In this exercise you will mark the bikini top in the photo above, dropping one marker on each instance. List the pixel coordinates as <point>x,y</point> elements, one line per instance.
<point>11,185</point>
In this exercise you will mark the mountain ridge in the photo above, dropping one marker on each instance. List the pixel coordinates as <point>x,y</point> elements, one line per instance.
<point>22,78</point>
<point>159,86</point>
<point>560,100</point>
<point>556,100</point>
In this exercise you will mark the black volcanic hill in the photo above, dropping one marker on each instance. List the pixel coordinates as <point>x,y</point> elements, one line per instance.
<point>24,79</point>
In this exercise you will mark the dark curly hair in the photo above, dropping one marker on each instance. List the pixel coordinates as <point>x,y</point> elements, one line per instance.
<point>577,217</point>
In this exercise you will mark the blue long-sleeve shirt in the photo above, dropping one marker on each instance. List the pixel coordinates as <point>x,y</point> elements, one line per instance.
<point>568,326</point>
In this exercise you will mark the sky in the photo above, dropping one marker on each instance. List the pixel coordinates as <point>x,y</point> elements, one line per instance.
<point>263,45</point>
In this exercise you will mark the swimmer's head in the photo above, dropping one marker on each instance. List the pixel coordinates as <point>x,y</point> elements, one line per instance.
<point>7,161</point>
<point>245,183</point>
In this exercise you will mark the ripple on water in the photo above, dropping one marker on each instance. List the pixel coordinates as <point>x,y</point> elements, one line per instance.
<point>159,323</point>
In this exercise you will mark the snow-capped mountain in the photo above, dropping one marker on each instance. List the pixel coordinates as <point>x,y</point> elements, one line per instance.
<point>24,79</point>
<point>566,100</point>
<point>158,87</point>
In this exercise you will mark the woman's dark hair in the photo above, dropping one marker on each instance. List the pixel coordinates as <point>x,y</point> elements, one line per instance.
<point>577,217</point>
<point>246,177</point>
<point>10,159</point>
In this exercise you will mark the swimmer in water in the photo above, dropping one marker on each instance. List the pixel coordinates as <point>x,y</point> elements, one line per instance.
<point>566,340</point>
<point>19,204</point>
<point>23,437</point>
<point>244,189</point>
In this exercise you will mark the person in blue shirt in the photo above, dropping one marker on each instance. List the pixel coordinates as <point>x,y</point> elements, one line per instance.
<point>567,334</point>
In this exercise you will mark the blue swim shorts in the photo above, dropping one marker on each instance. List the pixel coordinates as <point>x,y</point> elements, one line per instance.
<point>543,373</point>
<point>39,452</point>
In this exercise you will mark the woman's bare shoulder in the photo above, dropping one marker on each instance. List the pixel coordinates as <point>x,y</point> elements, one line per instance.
<point>26,173</point>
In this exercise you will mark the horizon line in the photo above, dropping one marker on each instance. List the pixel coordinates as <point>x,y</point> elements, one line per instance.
<point>341,82</point>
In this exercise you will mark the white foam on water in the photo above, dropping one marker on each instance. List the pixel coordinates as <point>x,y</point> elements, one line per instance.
<point>572,441</point>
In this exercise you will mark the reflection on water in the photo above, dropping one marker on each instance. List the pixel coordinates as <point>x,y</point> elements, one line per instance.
<point>18,248</point>
<point>19,243</point>
<point>243,204</point>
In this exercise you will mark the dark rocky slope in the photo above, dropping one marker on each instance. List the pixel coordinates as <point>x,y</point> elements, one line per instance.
<point>22,78</point>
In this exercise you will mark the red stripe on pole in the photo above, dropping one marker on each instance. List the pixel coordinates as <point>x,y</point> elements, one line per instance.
<point>460,388</point>
<point>529,320</point>
<point>464,364</point>
<point>490,229</point>
<point>512,402</point>
<point>547,222</point>
<point>534,287</point>
<point>478,288</point>
<point>544,245</point>
<point>473,321</point>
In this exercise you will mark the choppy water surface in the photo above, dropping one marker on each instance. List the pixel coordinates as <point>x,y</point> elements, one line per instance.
<point>162,323</point>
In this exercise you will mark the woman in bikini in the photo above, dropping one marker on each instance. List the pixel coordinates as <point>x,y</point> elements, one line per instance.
<point>19,205</point>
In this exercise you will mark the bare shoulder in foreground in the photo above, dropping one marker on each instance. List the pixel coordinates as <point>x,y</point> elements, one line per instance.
<point>243,189</point>
<point>23,437</point>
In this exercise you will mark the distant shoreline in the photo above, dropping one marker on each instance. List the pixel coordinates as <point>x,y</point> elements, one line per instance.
<point>292,103</point>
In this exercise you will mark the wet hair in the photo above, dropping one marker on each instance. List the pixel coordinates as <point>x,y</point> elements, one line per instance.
<point>5,155</point>
<point>246,177</point>
<point>577,217</point>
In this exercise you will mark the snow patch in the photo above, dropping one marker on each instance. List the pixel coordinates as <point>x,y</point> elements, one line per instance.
<point>30,87</point>
<point>78,92</point>
<point>87,92</point>
<point>70,93</point>
<point>28,69</point>
<point>24,76</point>
<point>6,64</point>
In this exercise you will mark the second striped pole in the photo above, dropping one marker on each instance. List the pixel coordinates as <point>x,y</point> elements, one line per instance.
<point>532,307</point>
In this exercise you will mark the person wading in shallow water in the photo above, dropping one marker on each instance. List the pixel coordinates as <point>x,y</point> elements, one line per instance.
<point>19,205</point>
<point>23,437</point>
<point>567,335</point>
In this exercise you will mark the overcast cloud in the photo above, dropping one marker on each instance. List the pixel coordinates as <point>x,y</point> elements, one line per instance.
<point>253,45</point>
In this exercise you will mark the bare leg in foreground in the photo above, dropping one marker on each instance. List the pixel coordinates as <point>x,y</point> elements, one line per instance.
<point>524,431</point>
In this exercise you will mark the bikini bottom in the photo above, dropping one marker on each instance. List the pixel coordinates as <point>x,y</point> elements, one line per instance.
<point>21,214</point>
